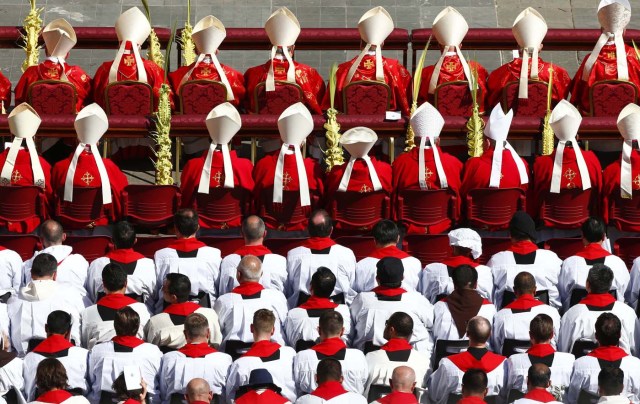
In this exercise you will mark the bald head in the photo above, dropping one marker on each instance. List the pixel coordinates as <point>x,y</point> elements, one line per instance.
<point>253,230</point>
<point>51,233</point>
<point>249,269</point>
<point>320,224</point>
<point>403,379</point>
<point>198,390</point>
<point>539,376</point>
<point>478,331</point>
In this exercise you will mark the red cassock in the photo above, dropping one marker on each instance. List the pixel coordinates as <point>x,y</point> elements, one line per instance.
<point>49,70</point>
<point>128,70</point>
<point>87,175</point>
<point>477,172</point>
<point>307,77</point>
<point>5,90</point>
<point>207,71</point>
<point>605,68</point>
<point>22,175</point>
<point>264,172</point>
<point>570,179</point>
<point>405,177</point>
<point>360,180</point>
<point>452,70</point>
<point>395,75</point>
<point>611,183</point>
<point>509,72</point>
<point>190,178</point>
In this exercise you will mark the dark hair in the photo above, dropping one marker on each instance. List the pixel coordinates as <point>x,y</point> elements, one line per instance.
<point>464,277</point>
<point>541,328</point>
<point>331,322</point>
<point>608,329</point>
<point>594,230</point>
<point>114,277</point>
<point>126,322</point>
<point>44,265</point>
<point>323,226</point>
<point>610,381</point>
<point>600,278</point>
<point>402,323</point>
<point>253,228</point>
<point>539,375</point>
<point>264,320</point>
<point>475,381</point>
<point>323,281</point>
<point>195,325</point>
<point>385,232</point>
<point>51,232</point>
<point>124,235</point>
<point>59,322</point>
<point>119,386</point>
<point>51,375</point>
<point>186,222</point>
<point>329,370</point>
<point>524,283</point>
<point>179,285</point>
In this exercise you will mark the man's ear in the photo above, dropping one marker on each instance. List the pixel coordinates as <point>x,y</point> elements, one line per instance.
<point>251,328</point>
<point>342,332</point>
<point>273,330</point>
<point>55,275</point>
<point>64,237</point>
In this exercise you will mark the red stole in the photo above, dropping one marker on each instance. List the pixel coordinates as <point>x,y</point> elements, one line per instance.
<point>329,390</point>
<point>199,350</point>
<point>54,343</point>
<point>390,251</point>
<point>398,397</point>
<point>524,302</point>
<point>540,395</point>
<point>257,250</point>
<point>593,251</point>
<point>124,255</point>
<point>396,344</point>
<point>182,309</point>
<point>608,353</point>
<point>458,260</point>
<point>187,244</point>
<point>387,291</point>
<point>262,349</point>
<point>488,362</point>
<point>116,301</point>
<point>541,350</point>
<point>318,243</point>
<point>248,288</point>
<point>128,68</point>
<point>523,247</point>
<point>267,397</point>
<point>128,341</point>
<point>54,396</point>
<point>598,299</point>
<point>329,346</point>
<point>315,302</point>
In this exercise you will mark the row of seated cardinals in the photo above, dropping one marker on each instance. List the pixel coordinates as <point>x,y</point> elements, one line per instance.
<point>256,308</point>
<point>449,29</point>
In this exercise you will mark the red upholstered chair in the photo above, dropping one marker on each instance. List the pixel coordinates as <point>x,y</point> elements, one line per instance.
<point>199,97</point>
<point>609,97</point>
<point>353,211</point>
<point>90,247</point>
<point>627,248</point>
<point>150,206</point>
<point>25,245</point>
<point>360,245</point>
<point>453,98</point>
<point>85,210</point>
<point>366,97</point>
<point>275,102</point>
<point>280,216</point>
<point>535,105</point>
<point>491,246</point>
<point>567,209</point>
<point>564,247</point>
<point>226,245</point>
<point>22,203</point>
<point>52,97</point>
<point>129,98</point>
<point>222,206</point>
<point>148,246</point>
<point>428,248</point>
<point>624,213</point>
<point>492,208</point>
<point>283,245</point>
<point>426,208</point>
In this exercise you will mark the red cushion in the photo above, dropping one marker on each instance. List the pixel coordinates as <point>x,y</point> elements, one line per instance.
<point>129,99</point>
<point>535,105</point>
<point>366,98</point>
<point>454,99</point>
<point>200,97</point>
<point>275,102</point>
<point>53,98</point>
<point>609,98</point>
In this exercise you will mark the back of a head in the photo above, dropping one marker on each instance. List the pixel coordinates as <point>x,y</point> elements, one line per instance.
<point>198,390</point>
<point>390,272</point>
<point>610,381</point>
<point>59,322</point>
<point>403,379</point>
<point>250,267</point>
<point>331,323</point>
<point>320,224</point>
<point>465,277</point>
<point>385,232</point>
<point>474,383</point>
<point>126,322</point>
<point>43,266</point>
<point>51,233</point>
<point>179,285</point>
<point>323,282</point>
<point>124,235</point>
<point>541,328</point>
<point>608,329</point>
<point>478,330</point>
<point>524,283</point>
<point>253,229</point>
<point>51,375</point>
<point>196,326</point>
<point>264,321</point>
<point>329,370</point>
<point>119,386</point>
<point>594,230</point>
<point>600,278</point>
<point>186,222</point>
<point>539,375</point>
<point>522,227</point>
<point>402,323</point>
<point>114,277</point>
